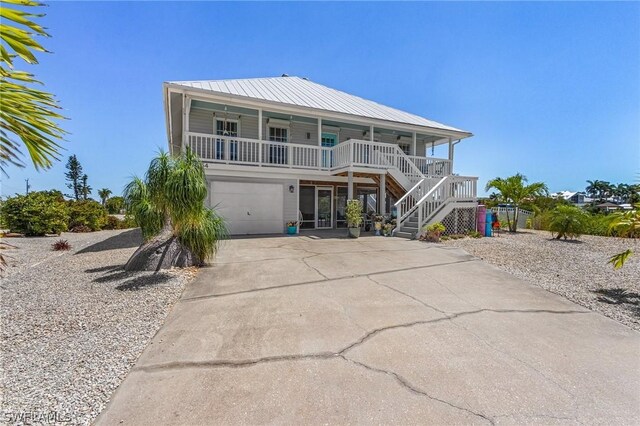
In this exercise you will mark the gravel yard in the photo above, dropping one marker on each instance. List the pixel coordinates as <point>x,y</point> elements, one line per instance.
<point>73,323</point>
<point>577,270</point>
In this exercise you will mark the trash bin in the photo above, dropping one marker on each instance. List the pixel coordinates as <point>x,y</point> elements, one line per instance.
<point>488,223</point>
<point>481,218</point>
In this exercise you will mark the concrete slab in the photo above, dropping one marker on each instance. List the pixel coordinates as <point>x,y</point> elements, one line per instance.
<point>376,330</point>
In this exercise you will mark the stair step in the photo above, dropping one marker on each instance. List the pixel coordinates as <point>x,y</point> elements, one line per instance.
<point>402,234</point>
<point>413,229</point>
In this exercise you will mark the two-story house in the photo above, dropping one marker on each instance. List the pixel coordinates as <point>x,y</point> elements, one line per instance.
<point>288,149</point>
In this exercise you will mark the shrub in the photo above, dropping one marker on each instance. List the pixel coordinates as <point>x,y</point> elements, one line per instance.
<point>568,222</point>
<point>61,245</point>
<point>433,232</point>
<point>474,234</point>
<point>112,223</point>
<point>114,205</point>
<point>540,221</point>
<point>128,222</point>
<point>598,224</point>
<point>81,229</point>
<point>38,213</point>
<point>87,213</point>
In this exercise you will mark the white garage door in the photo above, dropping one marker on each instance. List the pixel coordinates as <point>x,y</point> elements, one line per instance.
<point>249,208</point>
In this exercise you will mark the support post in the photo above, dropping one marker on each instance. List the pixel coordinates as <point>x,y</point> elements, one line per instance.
<point>450,150</point>
<point>349,185</point>
<point>371,130</point>
<point>414,144</point>
<point>260,137</point>
<point>383,194</point>
<point>185,122</point>
<point>320,144</point>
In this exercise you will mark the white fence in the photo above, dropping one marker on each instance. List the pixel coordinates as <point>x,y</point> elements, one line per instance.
<point>523,215</point>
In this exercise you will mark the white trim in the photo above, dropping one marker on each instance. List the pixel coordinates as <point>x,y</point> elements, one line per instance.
<point>276,122</point>
<point>321,188</point>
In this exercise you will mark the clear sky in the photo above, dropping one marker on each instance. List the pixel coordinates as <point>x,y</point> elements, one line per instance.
<point>551,90</point>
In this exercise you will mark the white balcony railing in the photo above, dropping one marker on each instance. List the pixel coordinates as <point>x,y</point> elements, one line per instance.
<point>357,153</point>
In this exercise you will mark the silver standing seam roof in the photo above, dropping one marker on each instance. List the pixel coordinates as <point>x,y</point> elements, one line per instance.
<point>302,92</point>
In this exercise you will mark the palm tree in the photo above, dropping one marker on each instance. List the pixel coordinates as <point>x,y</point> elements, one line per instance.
<point>168,205</point>
<point>104,194</point>
<point>625,224</point>
<point>27,115</point>
<point>514,190</point>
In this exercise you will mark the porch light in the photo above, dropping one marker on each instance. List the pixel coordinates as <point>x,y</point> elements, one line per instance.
<point>291,188</point>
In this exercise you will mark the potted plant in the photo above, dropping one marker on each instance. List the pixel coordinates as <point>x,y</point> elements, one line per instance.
<point>377,223</point>
<point>353,215</point>
<point>292,227</point>
<point>388,228</point>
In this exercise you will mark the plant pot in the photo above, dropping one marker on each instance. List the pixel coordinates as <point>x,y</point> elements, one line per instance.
<point>291,230</point>
<point>354,232</point>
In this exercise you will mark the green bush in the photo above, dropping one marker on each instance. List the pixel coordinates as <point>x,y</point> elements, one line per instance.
<point>540,221</point>
<point>114,205</point>
<point>598,224</point>
<point>114,223</point>
<point>568,222</point>
<point>39,213</point>
<point>87,213</point>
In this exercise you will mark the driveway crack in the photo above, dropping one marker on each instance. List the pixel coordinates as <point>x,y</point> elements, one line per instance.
<point>410,387</point>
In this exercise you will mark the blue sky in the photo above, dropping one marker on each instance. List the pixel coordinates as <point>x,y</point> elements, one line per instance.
<point>551,90</point>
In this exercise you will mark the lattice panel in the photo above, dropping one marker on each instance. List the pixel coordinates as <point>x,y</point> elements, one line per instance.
<point>460,221</point>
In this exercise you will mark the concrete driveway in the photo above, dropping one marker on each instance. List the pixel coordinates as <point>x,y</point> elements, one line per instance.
<point>295,330</point>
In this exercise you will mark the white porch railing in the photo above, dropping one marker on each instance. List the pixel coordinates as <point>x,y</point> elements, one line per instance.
<point>431,166</point>
<point>351,153</point>
<point>234,150</point>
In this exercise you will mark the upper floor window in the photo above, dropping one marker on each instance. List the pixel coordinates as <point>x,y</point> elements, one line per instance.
<point>278,134</point>
<point>226,128</point>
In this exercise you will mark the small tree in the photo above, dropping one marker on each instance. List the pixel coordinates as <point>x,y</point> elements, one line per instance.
<point>568,222</point>
<point>85,189</point>
<point>625,224</point>
<point>115,204</point>
<point>74,177</point>
<point>514,190</point>
<point>168,205</point>
<point>104,195</point>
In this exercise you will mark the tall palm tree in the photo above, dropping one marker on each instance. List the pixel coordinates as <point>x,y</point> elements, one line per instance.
<point>168,205</point>
<point>514,190</point>
<point>27,115</point>
<point>104,194</point>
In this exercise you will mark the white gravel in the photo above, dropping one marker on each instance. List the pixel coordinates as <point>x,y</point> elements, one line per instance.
<point>74,322</point>
<point>577,270</point>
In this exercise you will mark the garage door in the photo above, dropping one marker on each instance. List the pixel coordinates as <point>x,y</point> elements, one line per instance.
<point>249,208</point>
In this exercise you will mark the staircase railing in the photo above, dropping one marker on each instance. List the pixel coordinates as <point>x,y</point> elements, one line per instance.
<point>406,205</point>
<point>449,189</point>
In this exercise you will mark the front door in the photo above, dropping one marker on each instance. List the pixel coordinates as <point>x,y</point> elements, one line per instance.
<point>328,140</point>
<point>324,207</point>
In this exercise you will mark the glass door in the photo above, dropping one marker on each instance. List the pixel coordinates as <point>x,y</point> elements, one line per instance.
<point>324,207</point>
<point>308,207</point>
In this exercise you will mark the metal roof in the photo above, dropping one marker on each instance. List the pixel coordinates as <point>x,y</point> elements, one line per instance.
<point>302,92</point>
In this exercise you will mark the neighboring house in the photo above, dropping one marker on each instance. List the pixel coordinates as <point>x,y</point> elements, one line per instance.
<point>577,198</point>
<point>288,149</point>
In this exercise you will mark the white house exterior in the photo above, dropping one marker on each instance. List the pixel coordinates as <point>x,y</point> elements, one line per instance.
<point>288,149</point>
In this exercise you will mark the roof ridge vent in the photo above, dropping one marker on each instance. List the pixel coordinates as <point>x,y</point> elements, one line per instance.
<point>284,75</point>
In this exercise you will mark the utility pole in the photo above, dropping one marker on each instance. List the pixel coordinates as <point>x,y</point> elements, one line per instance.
<point>28,186</point>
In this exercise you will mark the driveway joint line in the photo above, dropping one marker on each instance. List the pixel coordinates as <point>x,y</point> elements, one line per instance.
<point>367,275</point>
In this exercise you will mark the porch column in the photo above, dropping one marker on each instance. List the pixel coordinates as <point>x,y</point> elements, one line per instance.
<point>349,185</point>
<point>383,194</point>
<point>186,106</point>
<point>260,136</point>
<point>320,143</point>
<point>450,150</point>
<point>414,143</point>
<point>371,129</point>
